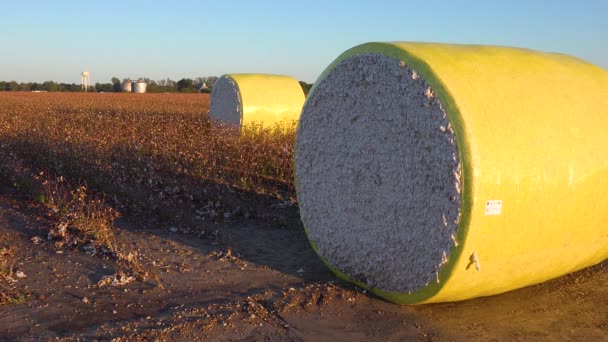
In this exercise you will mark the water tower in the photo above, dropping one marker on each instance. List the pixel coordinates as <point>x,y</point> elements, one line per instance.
<point>85,81</point>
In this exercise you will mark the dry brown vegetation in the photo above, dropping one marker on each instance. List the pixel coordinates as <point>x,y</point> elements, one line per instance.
<point>8,293</point>
<point>82,219</point>
<point>153,152</point>
<point>81,158</point>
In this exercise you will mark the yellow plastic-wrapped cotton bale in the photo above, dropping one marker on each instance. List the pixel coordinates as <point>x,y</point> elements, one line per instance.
<point>242,99</point>
<point>434,172</point>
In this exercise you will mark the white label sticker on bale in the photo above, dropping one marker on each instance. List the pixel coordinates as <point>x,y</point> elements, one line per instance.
<point>493,207</point>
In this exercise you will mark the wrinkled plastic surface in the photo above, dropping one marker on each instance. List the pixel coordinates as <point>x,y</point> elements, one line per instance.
<point>269,99</point>
<point>531,133</point>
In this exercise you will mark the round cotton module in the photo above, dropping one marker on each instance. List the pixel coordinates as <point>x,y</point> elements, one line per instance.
<point>386,174</point>
<point>256,99</point>
<point>226,105</point>
<point>435,172</point>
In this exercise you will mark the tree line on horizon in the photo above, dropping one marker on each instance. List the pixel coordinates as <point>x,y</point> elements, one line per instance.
<point>185,85</point>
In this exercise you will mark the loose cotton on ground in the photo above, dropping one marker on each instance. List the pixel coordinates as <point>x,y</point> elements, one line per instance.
<point>433,172</point>
<point>238,100</point>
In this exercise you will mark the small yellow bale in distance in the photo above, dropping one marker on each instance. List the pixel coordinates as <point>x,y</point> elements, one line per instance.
<point>240,100</point>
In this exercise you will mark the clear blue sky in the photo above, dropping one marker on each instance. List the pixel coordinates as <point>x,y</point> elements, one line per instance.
<point>56,40</point>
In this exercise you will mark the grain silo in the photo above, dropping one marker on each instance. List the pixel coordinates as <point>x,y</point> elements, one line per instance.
<point>139,86</point>
<point>126,86</point>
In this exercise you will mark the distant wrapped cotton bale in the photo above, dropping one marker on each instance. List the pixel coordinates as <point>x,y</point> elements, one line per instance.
<point>241,99</point>
<point>433,172</point>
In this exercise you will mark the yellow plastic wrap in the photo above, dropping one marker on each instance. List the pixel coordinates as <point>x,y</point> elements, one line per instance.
<point>531,133</point>
<point>269,99</point>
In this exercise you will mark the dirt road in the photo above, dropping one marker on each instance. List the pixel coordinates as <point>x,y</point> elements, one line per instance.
<point>259,280</point>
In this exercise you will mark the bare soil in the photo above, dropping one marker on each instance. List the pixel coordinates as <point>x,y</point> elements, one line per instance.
<point>258,280</point>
